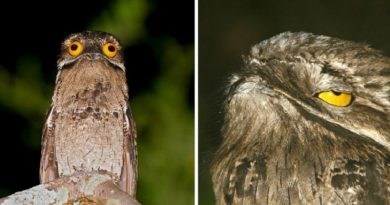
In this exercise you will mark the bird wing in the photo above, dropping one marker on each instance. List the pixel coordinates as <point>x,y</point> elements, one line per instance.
<point>342,181</point>
<point>129,170</point>
<point>48,167</point>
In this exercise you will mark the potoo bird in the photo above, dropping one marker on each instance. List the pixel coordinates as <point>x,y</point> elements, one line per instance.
<point>307,121</point>
<point>89,126</point>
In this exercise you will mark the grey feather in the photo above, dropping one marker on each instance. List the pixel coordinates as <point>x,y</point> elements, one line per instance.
<point>284,145</point>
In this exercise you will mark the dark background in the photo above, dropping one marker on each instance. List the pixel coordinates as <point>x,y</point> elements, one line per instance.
<point>157,37</point>
<point>228,28</point>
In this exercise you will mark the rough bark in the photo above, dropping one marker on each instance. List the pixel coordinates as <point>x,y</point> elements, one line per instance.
<point>80,188</point>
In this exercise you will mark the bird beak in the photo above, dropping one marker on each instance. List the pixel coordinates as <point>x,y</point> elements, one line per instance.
<point>93,56</point>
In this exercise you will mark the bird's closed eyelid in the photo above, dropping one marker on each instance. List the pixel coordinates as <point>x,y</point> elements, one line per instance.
<point>334,84</point>
<point>336,90</point>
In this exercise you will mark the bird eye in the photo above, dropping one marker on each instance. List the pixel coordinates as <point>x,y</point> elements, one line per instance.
<point>75,48</point>
<point>110,50</point>
<point>334,98</point>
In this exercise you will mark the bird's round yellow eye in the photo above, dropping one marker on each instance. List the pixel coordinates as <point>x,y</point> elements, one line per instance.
<point>75,48</point>
<point>110,50</point>
<point>338,99</point>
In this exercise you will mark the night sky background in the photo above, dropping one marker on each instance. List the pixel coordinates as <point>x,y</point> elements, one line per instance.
<point>228,28</point>
<point>158,41</point>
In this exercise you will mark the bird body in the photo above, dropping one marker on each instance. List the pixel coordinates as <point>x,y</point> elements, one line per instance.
<point>285,141</point>
<point>89,127</point>
<point>85,117</point>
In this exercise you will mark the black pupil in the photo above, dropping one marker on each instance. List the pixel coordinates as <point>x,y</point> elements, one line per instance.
<point>111,48</point>
<point>336,93</point>
<point>73,47</point>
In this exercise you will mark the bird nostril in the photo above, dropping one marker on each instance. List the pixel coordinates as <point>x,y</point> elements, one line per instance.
<point>92,56</point>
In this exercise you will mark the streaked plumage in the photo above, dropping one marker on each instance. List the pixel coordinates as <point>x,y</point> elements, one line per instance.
<point>284,145</point>
<point>89,126</point>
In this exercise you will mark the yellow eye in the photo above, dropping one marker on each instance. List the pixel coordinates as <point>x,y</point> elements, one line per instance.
<point>75,48</point>
<point>110,50</point>
<point>338,99</point>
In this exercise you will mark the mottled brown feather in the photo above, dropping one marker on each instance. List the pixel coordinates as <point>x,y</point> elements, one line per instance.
<point>87,128</point>
<point>283,145</point>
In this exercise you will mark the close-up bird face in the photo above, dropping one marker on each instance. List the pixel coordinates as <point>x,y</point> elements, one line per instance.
<point>341,82</point>
<point>306,120</point>
<point>91,46</point>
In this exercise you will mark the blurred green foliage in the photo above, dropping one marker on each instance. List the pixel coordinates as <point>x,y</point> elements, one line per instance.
<point>165,120</point>
<point>167,167</point>
<point>125,19</point>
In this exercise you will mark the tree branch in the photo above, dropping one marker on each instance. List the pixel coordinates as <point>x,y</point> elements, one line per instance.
<point>81,188</point>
